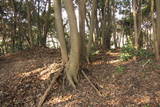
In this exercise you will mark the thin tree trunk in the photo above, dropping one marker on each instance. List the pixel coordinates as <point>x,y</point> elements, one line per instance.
<point>4,37</point>
<point>39,24</point>
<point>114,25</point>
<point>92,26</point>
<point>46,26</point>
<point>29,23</point>
<point>14,26</point>
<point>136,22</point>
<point>97,31</point>
<point>60,30</point>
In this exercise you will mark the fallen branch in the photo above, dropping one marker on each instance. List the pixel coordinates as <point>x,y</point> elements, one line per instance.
<point>94,87</point>
<point>146,63</point>
<point>42,99</point>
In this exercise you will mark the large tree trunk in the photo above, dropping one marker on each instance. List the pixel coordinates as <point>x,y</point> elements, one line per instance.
<point>106,25</point>
<point>82,15</point>
<point>92,27</point>
<point>155,35</point>
<point>72,66</point>
<point>158,20</point>
<point>60,30</point>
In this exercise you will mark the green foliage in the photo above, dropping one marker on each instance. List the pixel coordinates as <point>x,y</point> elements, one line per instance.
<point>95,52</point>
<point>128,52</point>
<point>143,53</point>
<point>120,69</point>
<point>147,105</point>
<point>125,56</point>
<point>101,3</point>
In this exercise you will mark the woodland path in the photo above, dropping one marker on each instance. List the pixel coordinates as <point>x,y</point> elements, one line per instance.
<point>24,78</point>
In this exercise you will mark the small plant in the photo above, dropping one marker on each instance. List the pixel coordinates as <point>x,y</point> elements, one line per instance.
<point>143,53</point>
<point>120,69</point>
<point>95,52</point>
<point>128,52</point>
<point>125,56</point>
<point>147,105</point>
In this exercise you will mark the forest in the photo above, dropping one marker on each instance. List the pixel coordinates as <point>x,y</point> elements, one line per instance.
<point>79,53</point>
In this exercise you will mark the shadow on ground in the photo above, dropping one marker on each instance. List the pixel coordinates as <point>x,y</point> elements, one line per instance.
<point>24,78</point>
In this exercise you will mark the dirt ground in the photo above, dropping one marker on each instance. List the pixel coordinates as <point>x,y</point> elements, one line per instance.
<point>24,76</point>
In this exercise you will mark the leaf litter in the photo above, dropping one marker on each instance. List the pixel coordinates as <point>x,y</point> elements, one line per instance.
<point>25,76</point>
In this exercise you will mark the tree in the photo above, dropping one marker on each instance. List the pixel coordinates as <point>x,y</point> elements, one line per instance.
<point>137,21</point>
<point>60,30</point>
<point>158,20</point>
<point>14,25</point>
<point>114,24</point>
<point>82,15</point>
<point>46,25</point>
<point>72,65</point>
<point>29,24</point>
<point>92,27</point>
<point>155,34</point>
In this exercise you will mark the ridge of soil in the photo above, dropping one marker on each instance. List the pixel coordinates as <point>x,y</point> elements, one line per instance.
<point>24,76</point>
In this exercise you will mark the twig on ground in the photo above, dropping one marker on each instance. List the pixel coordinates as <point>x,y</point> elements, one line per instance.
<point>146,63</point>
<point>42,99</point>
<point>94,87</point>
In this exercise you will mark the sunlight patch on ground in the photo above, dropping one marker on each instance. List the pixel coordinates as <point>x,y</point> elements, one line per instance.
<point>49,69</point>
<point>113,53</point>
<point>114,102</point>
<point>97,62</point>
<point>114,61</point>
<point>26,74</point>
<point>43,73</point>
<point>118,62</point>
<point>60,99</point>
<point>142,100</point>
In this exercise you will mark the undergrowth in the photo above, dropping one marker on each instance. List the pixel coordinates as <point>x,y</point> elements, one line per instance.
<point>120,69</point>
<point>128,52</point>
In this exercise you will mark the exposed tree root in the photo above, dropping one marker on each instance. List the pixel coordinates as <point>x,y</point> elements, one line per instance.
<point>56,76</point>
<point>72,79</point>
<point>94,87</point>
<point>72,73</point>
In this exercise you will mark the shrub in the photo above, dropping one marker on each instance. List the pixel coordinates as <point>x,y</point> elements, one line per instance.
<point>120,69</point>
<point>128,52</point>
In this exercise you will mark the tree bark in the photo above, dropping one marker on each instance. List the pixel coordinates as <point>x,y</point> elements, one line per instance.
<point>46,25</point>
<point>82,15</point>
<point>14,25</point>
<point>137,21</point>
<point>158,20</point>
<point>114,25</point>
<point>155,35</point>
<point>72,66</point>
<point>92,27</point>
<point>60,30</point>
<point>39,24</point>
<point>106,25</point>
<point>29,23</point>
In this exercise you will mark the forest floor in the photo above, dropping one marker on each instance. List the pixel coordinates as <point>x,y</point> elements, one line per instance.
<point>24,76</point>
